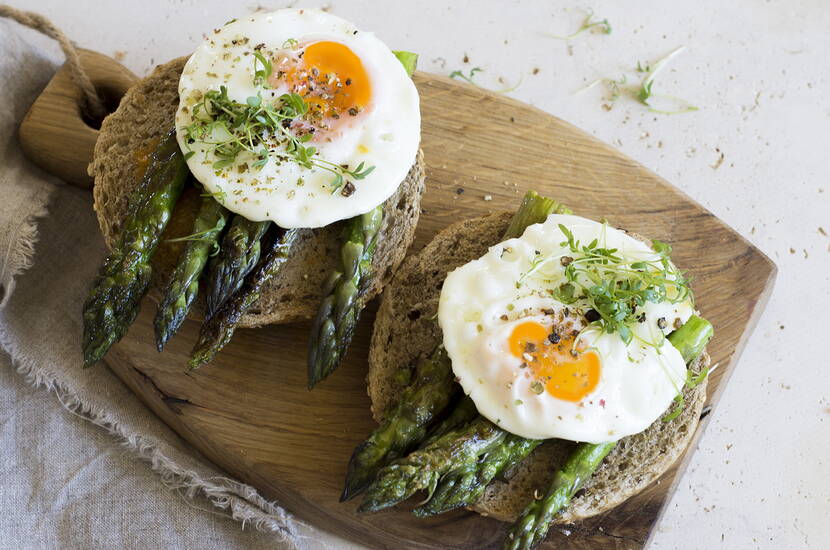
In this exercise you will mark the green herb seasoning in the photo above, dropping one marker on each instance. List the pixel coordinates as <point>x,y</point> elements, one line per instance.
<point>613,289</point>
<point>268,128</point>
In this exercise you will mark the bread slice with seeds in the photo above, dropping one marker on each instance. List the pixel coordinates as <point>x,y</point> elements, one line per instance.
<point>127,138</point>
<point>406,330</point>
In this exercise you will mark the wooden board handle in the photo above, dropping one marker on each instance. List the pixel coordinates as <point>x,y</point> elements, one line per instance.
<point>55,135</point>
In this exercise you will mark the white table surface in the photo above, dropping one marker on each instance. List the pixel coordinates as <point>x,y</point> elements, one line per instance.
<point>758,71</point>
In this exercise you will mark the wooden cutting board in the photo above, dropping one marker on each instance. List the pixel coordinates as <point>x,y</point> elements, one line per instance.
<point>250,412</point>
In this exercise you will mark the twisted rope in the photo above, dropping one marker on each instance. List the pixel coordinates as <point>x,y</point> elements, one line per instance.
<point>93,105</point>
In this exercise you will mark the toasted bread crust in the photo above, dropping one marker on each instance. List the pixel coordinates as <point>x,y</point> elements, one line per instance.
<point>406,330</point>
<point>128,136</point>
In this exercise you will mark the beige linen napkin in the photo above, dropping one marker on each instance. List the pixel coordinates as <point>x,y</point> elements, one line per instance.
<point>50,249</point>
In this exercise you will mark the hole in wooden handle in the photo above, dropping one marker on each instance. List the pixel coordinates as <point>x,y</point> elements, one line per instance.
<point>55,134</point>
<point>110,97</point>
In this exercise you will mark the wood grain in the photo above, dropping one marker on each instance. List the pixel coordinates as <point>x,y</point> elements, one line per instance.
<point>251,414</point>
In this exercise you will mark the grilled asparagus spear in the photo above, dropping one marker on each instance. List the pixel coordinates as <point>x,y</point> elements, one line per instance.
<point>184,283</point>
<point>406,425</point>
<point>532,526</point>
<point>433,391</point>
<point>461,414</point>
<point>238,255</point>
<point>340,310</point>
<point>464,487</point>
<point>422,469</point>
<point>216,332</point>
<point>333,328</point>
<point>115,297</point>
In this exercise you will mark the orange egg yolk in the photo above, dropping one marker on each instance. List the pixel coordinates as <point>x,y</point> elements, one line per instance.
<point>331,79</point>
<point>566,372</point>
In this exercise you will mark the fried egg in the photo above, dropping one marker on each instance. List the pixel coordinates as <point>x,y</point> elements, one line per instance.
<point>538,367</point>
<point>362,113</point>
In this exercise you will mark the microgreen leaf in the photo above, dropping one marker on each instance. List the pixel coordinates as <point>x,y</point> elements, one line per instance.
<point>409,60</point>
<point>625,334</point>
<point>219,195</point>
<point>261,75</point>
<point>645,92</point>
<point>336,183</point>
<point>587,24</point>
<point>565,293</point>
<point>693,380</point>
<point>200,235</point>
<point>468,77</point>
<point>681,403</point>
<point>254,101</point>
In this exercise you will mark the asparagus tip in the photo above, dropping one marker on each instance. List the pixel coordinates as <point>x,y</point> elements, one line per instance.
<point>202,353</point>
<point>315,378</point>
<point>161,340</point>
<point>370,505</point>
<point>197,361</point>
<point>421,512</point>
<point>319,368</point>
<point>355,484</point>
<point>92,354</point>
<point>161,329</point>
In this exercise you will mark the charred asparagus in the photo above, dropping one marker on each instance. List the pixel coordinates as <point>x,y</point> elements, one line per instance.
<point>122,282</point>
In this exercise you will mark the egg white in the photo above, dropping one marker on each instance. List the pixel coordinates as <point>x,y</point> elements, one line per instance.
<point>386,136</point>
<point>480,305</point>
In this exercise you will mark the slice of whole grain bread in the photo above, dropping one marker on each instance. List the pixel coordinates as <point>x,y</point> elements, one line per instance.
<point>127,138</point>
<point>406,330</point>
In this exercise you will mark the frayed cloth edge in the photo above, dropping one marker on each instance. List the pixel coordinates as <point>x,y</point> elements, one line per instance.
<point>236,500</point>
